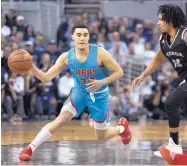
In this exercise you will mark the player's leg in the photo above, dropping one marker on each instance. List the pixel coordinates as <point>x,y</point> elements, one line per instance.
<point>103,130</point>
<point>173,103</point>
<point>103,133</point>
<point>100,115</point>
<point>72,107</point>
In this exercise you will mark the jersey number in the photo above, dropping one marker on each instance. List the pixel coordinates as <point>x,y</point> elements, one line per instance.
<point>83,80</point>
<point>177,63</point>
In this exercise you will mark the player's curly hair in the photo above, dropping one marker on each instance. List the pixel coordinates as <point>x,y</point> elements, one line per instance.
<point>172,14</point>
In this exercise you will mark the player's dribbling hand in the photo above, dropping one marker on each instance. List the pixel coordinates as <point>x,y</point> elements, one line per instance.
<point>137,82</point>
<point>94,85</point>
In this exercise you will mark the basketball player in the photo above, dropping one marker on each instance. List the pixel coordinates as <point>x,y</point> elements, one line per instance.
<point>173,46</point>
<point>90,66</point>
<point>173,158</point>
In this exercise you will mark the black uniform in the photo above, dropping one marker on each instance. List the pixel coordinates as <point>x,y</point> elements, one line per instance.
<point>176,53</point>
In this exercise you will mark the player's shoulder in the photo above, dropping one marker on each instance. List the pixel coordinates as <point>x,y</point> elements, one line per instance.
<point>102,51</point>
<point>63,57</point>
<point>103,54</point>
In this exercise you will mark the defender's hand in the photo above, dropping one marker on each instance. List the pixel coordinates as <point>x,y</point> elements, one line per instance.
<point>137,82</point>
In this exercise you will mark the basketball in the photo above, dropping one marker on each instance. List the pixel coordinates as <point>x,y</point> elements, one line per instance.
<point>20,61</point>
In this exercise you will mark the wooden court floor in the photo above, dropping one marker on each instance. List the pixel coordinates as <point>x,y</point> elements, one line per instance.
<point>75,144</point>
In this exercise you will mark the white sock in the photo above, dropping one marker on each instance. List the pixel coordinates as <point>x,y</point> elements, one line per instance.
<point>41,137</point>
<point>121,129</point>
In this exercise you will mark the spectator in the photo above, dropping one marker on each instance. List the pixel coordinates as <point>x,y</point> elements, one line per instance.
<point>139,47</point>
<point>39,47</point>
<point>45,94</point>
<point>20,24</point>
<point>14,46</point>
<point>85,18</point>
<point>19,40</point>
<point>52,50</point>
<point>119,49</point>
<point>101,19</point>
<point>148,29</point>
<point>14,97</point>
<point>131,49</point>
<point>4,59</point>
<point>116,23</point>
<point>101,41</point>
<point>29,46</point>
<point>139,29</point>
<point>123,35</point>
<point>64,89</point>
<point>148,54</point>
<point>5,30</point>
<point>94,29</point>
<point>129,102</point>
<point>104,32</point>
<point>29,34</point>
<point>11,18</point>
<point>125,22</point>
<point>13,33</point>
<point>64,33</point>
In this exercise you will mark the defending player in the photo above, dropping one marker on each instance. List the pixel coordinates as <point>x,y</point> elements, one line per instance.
<point>173,46</point>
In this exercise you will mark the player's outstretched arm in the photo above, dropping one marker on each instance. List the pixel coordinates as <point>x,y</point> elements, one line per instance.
<point>111,65</point>
<point>153,65</point>
<point>54,71</point>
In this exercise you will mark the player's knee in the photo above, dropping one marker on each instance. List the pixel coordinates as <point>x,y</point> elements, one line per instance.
<point>169,104</point>
<point>64,118</point>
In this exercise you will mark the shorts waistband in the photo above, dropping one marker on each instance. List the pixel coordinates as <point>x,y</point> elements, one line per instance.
<point>102,91</point>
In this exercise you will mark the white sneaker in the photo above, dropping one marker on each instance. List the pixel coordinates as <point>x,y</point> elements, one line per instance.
<point>172,147</point>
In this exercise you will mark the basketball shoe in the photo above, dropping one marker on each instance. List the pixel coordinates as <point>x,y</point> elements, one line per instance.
<point>172,147</point>
<point>26,154</point>
<point>173,158</point>
<point>126,134</point>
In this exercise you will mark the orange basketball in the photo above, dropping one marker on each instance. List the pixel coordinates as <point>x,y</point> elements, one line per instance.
<point>20,61</point>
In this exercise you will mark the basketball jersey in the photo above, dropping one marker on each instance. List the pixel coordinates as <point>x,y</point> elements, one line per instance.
<point>176,52</point>
<point>83,71</point>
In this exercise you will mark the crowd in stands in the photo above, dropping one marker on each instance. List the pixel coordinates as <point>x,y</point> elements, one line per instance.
<point>27,98</point>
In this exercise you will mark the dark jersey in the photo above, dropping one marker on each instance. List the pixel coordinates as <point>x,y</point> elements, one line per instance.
<point>176,51</point>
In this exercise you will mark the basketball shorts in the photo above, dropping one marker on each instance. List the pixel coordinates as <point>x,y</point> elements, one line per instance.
<point>98,108</point>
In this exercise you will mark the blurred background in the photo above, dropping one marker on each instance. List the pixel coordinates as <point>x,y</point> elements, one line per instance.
<point>126,28</point>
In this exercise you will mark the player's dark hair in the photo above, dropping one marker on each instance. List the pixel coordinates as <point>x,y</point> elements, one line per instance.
<point>172,14</point>
<point>78,26</point>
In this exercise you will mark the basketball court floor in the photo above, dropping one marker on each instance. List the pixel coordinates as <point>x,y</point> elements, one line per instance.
<point>75,144</point>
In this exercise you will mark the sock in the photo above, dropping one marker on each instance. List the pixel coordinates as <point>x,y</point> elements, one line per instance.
<point>42,136</point>
<point>121,129</point>
<point>175,137</point>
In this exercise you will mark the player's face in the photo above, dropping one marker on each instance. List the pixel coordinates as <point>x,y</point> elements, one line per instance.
<point>163,26</point>
<point>81,37</point>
